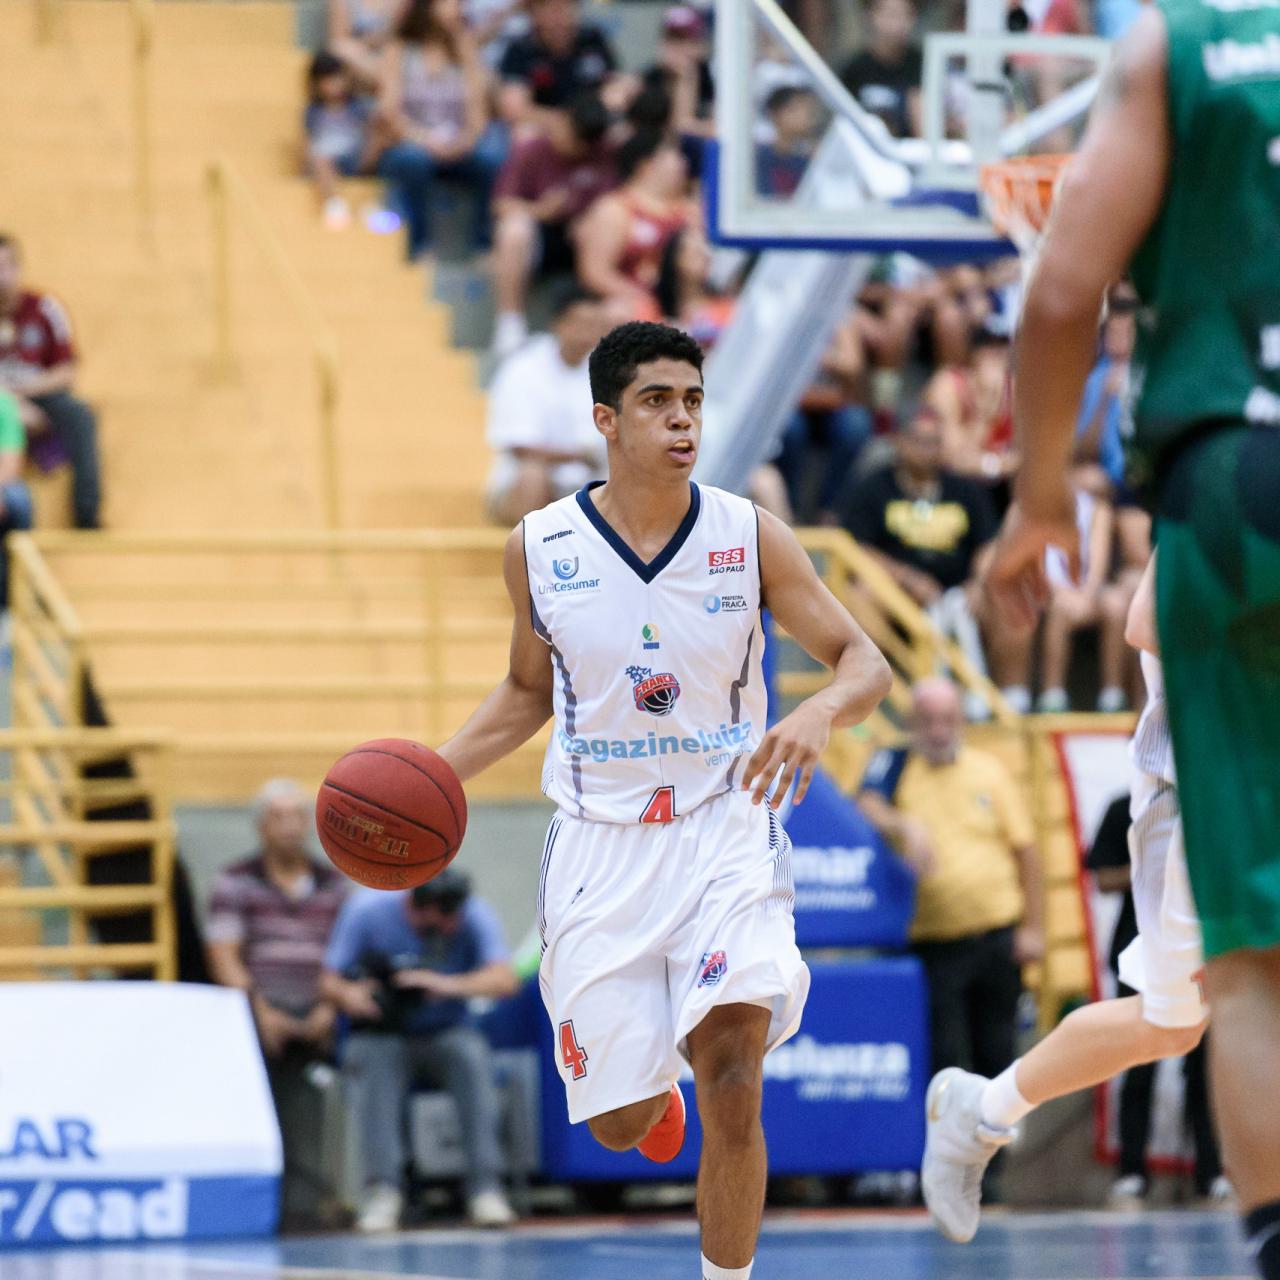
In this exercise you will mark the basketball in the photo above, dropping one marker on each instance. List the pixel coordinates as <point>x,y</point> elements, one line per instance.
<point>391,814</point>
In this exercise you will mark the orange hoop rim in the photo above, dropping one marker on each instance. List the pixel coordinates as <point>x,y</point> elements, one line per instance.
<point>1020,194</point>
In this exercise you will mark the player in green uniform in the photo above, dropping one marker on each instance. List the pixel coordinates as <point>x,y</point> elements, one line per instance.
<point>1178,183</point>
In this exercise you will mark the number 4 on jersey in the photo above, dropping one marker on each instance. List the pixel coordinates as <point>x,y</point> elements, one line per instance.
<point>572,1053</point>
<point>661,806</point>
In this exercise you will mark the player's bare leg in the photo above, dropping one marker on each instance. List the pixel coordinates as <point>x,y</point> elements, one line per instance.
<point>1094,1044</point>
<point>727,1053</point>
<point>970,1117</point>
<point>626,1127</point>
<point>1244,989</point>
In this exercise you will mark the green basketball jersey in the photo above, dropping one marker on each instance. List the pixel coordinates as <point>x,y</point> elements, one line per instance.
<point>1208,272</point>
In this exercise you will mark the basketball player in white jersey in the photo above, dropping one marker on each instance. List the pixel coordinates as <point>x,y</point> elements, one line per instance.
<point>665,897</point>
<point>970,1118</point>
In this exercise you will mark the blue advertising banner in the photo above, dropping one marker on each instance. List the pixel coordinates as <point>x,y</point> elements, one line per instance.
<point>852,890</point>
<point>845,1095</point>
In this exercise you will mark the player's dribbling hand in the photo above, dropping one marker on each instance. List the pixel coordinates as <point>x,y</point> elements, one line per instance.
<point>795,744</point>
<point>1016,580</point>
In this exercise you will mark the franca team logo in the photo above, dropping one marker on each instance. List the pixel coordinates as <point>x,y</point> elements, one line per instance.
<point>715,965</point>
<point>655,694</point>
<point>566,568</point>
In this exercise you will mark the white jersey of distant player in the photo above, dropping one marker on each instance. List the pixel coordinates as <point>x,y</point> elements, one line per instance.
<point>659,692</point>
<point>1152,746</point>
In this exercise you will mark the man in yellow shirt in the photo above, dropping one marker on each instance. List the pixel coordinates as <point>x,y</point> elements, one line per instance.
<point>955,816</point>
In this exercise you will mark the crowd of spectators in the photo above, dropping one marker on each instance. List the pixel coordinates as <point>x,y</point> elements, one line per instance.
<point>377,981</point>
<point>584,179</point>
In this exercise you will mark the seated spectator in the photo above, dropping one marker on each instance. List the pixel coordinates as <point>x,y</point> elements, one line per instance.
<point>540,421</point>
<point>683,73</point>
<point>1104,405</point>
<point>622,237</point>
<point>549,181</point>
<point>832,422</point>
<point>38,369</point>
<point>338,139</point>
<point>957,819</point>
<point>926,526</point>
<point>974,404</point>
<point>269,922</point>
<point>402,967</point>
<point>547,69</point>
<point>15,497</point>
<point>782,161</point>
<point>358,32</point>
<point>685,294</point>
<point>885,76</point>
<point>435,105</point>
<point>1092,602</point>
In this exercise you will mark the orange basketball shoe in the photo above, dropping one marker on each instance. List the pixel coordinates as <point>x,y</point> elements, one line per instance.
<point>664,1140</point>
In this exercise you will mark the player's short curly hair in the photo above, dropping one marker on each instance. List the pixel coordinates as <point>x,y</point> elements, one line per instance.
<point>623,350</point>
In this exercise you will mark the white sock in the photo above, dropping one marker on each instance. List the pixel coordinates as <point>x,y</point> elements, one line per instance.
<point>1018,696</point>
<point>711,1272</point>
<point>1002,1103</point>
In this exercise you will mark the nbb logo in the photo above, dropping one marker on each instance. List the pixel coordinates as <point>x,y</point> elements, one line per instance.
<point>731,560</point>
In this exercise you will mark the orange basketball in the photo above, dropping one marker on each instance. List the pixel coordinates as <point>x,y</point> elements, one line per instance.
<point>391,814</point>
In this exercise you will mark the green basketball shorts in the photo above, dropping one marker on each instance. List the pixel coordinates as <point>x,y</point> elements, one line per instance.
<point>1218,616</point>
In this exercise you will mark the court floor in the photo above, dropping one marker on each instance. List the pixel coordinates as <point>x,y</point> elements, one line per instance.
<point>1062,1246</point>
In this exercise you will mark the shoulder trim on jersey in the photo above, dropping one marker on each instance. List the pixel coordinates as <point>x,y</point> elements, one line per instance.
<point>645,572</point>
<point>535,622</point>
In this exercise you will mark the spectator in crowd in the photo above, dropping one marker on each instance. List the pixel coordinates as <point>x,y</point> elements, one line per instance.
<point>540,422</point>
<point>402,967</point>
<point>338,137</point>
<point>1095,601</point>
<point>974,405</point>
<point>683,73</point>
<point>270,918</point>
<point>622,237</point>
<point>435,105</point>
<point>781,162</point>
<point>1100,427</point>
<point>926,526</point>
<point>547,69</point>
<point>831,423</point>
<point>38,368</point>
<point>685,293</point>
<point>549,181</point>
<point>885,76</point>
<point>15,498</point>
<point>358,32</point>
<point>1109,861</point>
<point>957,819</point>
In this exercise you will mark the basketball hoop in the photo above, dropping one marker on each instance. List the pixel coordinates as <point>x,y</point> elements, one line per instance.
<point>1020,194</point>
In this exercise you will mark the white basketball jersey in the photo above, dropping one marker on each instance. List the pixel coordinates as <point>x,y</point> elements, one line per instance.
<point>1152,745</point>
<point>659,692</point>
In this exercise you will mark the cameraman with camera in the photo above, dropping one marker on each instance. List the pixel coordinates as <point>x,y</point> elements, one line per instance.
<point>402,967</point>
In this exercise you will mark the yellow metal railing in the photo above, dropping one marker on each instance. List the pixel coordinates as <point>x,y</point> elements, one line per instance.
<point>229,194</point>
<point>51,803</point>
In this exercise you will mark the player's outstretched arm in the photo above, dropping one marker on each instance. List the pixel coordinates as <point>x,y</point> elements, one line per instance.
<point>1110,198</point>
<point>521,704</point>
<point>822,627</point>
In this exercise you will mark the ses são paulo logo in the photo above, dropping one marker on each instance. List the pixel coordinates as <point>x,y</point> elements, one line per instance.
<point>731,560</point>
<point>566,571</point>
<point>655,694</point>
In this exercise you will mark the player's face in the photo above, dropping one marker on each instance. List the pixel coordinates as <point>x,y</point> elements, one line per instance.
<point>659,426</point>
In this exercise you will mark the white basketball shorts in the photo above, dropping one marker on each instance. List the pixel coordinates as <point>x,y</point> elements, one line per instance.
<point>1165,962</point>
<point>647,927</point>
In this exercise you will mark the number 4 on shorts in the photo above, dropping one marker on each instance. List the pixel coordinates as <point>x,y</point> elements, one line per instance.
<point>661,806</point>
<point>572,1053</point>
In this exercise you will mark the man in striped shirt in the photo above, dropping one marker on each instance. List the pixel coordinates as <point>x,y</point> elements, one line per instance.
<point>270,918</point>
